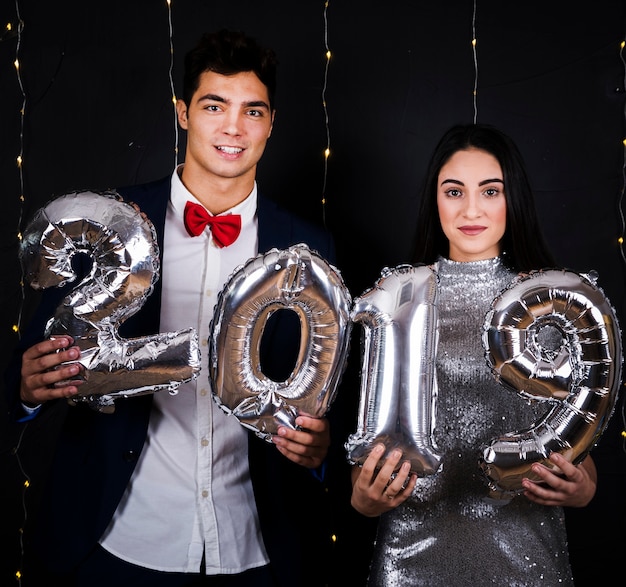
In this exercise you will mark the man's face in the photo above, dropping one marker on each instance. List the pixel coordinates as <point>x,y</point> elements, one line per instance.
<point>228,123</point>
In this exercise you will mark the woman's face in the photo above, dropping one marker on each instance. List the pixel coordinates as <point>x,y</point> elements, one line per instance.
<point>472,205</point>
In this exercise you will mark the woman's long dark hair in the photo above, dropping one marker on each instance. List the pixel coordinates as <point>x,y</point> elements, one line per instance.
<point>523,245</point>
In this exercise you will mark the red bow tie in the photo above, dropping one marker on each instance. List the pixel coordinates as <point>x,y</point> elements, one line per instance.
<point>225,229</point>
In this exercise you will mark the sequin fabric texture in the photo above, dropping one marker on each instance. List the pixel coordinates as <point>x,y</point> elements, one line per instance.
<point>450,532</point>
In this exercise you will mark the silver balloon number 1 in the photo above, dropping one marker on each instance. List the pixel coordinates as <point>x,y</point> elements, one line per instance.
<point>398,377</point>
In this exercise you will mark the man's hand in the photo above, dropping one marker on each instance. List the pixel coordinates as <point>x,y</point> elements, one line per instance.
<point>42,371</point>
<point>309,445</point>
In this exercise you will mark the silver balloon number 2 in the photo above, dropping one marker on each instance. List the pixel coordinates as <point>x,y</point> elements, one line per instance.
<point>294,280</point>
<point>551,336</point>
<point>121,246</point>
<point>398,377</point>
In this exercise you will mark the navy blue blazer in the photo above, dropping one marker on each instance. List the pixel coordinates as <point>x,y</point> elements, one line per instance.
<point>96,453</point>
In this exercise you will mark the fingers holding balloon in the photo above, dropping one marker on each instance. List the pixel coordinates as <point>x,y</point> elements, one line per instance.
<point>401,484</point>
<point>561,484</point>
<point>379,486</point>
<point>48,371</point>
<point>306,445</point>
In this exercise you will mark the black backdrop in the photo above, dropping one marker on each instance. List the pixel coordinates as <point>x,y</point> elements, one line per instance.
<point>94,81</point>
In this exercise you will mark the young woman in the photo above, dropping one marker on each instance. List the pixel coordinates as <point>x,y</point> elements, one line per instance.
<point>478,228</point>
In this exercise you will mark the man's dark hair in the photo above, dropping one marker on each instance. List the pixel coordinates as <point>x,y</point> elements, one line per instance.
<point>228,53</point>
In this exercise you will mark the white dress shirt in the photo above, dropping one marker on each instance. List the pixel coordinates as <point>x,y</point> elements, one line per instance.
<point>190,493</point>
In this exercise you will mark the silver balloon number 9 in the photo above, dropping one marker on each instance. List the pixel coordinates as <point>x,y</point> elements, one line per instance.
<point>121,246</point>
<point>551,336</point>
<point>294,280</point>
<point>398,377</point>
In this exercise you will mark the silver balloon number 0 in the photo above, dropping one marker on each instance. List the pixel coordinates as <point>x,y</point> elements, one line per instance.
<point>551,336</point>
<point>295,280</point>
<point>121,245</point>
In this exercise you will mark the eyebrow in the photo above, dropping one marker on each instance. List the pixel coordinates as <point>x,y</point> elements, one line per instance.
<point>483,182</point>
<point>454,181</point>
<point>250,104</point>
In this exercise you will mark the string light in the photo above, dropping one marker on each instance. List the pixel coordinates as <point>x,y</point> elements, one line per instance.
<point>25,487</point>
<point>620,208</point>
<point>171,79</point>
<point>16,327</point>
<point>326,119</point>
<point>475,92</point>
<point>620,239</point>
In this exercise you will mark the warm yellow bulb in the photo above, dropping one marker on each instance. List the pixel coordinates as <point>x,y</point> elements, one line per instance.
<point>14,328</point>
<point>19,160</point>
<point>328,55</point>
<point>17,64</point>
<point>9,27</point>
<point>620,240</point>
<point>327,153</point>
<point>473,42</point>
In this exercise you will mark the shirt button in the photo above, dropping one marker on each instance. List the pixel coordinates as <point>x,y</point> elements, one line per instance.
<point>203,392</point>
<point>204,442</point>
<point>205,493</point>
<point>130,456</point>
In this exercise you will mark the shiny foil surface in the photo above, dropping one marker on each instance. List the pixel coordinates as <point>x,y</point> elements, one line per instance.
<point>296,280</point>
<point>398,379</point>
<point>552,336</point>
<point>120,246</point>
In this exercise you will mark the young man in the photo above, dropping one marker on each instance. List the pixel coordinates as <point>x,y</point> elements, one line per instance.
<point>169,490</point>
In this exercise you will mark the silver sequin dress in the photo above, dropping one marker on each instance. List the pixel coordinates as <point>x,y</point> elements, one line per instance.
<point>449,533</point>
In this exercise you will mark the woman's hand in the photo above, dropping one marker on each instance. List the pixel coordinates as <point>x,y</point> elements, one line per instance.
<point>568,485</point>
<point>376,490</point>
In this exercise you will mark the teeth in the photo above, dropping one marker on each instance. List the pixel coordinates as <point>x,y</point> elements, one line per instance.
<point>230,150</point>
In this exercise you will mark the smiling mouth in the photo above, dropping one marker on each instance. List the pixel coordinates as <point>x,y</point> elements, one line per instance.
<point>229,150</point>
